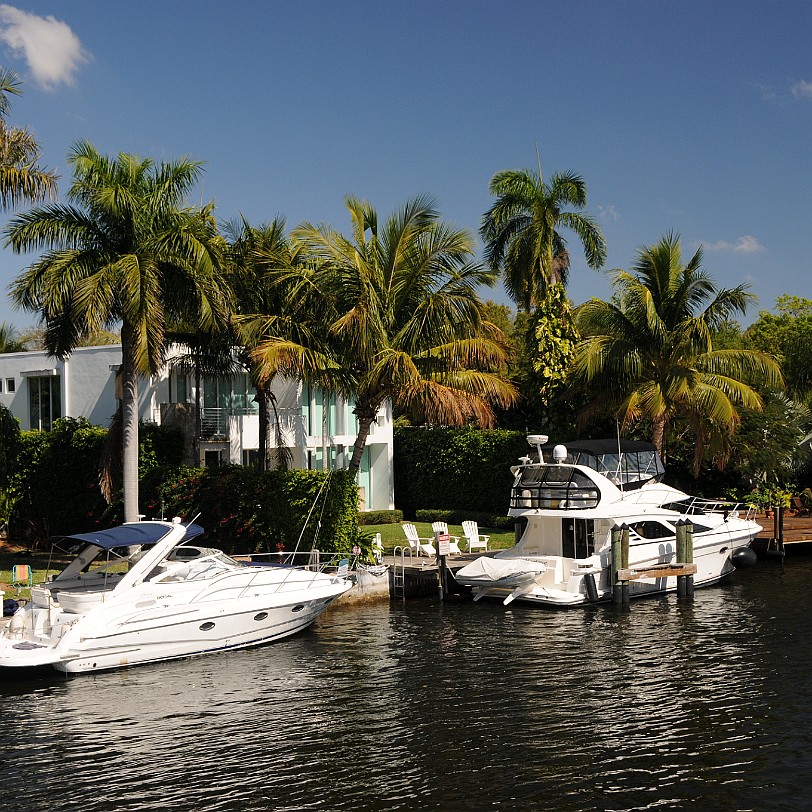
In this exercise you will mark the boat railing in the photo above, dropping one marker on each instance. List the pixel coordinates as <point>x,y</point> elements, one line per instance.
<point>699,505</point>
<point>311,560</point>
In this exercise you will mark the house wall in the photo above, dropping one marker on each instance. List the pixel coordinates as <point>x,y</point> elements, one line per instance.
<point>88,389</point>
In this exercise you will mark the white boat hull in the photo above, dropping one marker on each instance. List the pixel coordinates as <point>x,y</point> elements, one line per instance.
<point>78,630</point>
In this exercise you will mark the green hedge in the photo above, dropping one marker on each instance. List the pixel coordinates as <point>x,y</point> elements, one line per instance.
<point>459,516</point>
<point>245,510</point>
<point>466,470</point>
<point>55,485</point>
<point>54,490</point>
<point>380,517</point>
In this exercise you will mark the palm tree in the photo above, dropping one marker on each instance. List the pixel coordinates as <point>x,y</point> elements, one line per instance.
<point>123,252</point>
<point>265,269</point>
<point>401,319</point>
<point>649,353</point>
<point>20,177</point>
<point>522,228</point>
<point>10,341</point>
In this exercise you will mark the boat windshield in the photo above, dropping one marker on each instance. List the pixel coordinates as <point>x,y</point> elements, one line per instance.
<point>554,487</point>
<point>628,466</point>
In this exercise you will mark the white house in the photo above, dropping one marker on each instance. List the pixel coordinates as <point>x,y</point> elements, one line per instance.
<point>38,390</point>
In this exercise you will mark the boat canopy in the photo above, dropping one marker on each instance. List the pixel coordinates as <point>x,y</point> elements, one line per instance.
<point>129,535</point>
<point>627,463</point>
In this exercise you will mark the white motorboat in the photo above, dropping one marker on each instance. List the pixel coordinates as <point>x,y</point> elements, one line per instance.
<point>141,593</point>
<point>570,499</point>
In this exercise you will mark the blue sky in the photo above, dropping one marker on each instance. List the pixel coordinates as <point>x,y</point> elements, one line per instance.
<point>692,117</point>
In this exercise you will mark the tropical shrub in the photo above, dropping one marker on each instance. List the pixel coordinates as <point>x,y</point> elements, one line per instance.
<point>244,510</point>
<point>55,483</point>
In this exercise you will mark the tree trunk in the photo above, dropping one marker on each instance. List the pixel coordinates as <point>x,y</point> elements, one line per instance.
<point>658,434</point>
<point>365,415</point>
<point>264,406</point>
<point>129,428</point>
<point>198,410</point>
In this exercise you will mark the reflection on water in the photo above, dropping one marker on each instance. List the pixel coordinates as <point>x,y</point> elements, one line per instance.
<point>452,706</point>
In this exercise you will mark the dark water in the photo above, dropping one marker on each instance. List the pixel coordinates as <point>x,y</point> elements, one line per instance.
<point>455,707</point>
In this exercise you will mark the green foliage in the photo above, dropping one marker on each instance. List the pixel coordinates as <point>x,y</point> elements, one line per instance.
<point>10,444</point>
<point>56,481</point>
<point>246,510</point>
<point>380,517</point>
<point>788,337</point>
<point>397,317</point>
<point>521,231</point>
<point>161,446</point>
<point>463,469</point>
<point>551,342</point>
<point>649,355</point>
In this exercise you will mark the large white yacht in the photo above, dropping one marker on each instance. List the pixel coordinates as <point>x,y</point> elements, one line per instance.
<point>571,497</point>
<point>142,593</point>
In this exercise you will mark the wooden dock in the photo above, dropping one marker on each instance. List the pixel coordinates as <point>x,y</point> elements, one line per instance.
<point>793,533</point>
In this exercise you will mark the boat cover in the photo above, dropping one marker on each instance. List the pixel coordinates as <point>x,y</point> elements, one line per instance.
<point>128,535</point>
<point>495,569</point>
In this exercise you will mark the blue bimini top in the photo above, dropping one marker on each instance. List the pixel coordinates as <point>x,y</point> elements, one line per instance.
<point>128,535</point>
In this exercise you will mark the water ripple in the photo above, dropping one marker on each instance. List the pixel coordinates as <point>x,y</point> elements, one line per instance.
<point>453,707</point>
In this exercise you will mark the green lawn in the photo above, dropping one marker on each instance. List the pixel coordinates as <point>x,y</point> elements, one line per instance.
<point>392,535</point>
<point>38,561</point>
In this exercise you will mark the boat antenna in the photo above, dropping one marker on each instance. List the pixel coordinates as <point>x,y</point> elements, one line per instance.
<point>619,458</point>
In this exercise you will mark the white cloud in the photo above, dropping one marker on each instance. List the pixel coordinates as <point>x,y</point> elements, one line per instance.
<point>53,52</point>
<point>608,213</point>
<point>747,244</point>
<point>802,90</point>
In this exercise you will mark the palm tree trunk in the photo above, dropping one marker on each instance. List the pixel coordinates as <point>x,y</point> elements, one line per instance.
<point>264,405</point>
<point>365,418</point>
<point>198,410</point>
<point>129,433</point>
<point>658,434</point>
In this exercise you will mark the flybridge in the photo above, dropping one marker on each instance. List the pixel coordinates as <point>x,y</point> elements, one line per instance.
<point>627,463</point>
<point>547,480</point>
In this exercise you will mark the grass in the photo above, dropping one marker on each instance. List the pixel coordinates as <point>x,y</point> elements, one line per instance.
<point>392,535</point>
<point>37,560</point>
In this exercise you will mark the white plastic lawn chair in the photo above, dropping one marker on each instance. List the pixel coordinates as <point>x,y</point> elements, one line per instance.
<point>377,548</point>
<point>418,545</point>
<point>454,542</point>
<point>475,539</point>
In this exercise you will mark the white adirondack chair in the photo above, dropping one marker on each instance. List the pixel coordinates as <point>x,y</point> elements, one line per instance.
<point>474,539</point>
<point>377,548</point>
<point>454,542</point>
<point>418,545</point>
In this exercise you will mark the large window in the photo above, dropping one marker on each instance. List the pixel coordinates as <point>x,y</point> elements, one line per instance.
<point>44,401</point>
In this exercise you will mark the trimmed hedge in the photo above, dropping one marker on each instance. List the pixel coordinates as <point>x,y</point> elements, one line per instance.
<point>459,516</point>
<point>380,517</point>
<point>465,470</point>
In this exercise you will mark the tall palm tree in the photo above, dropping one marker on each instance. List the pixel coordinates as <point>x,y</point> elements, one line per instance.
<point>263,267</point>
<point>648,353</point>
<point>122,252</point>
<point>522,231</point>
<point>401,318</point>
<point>21,179</point>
